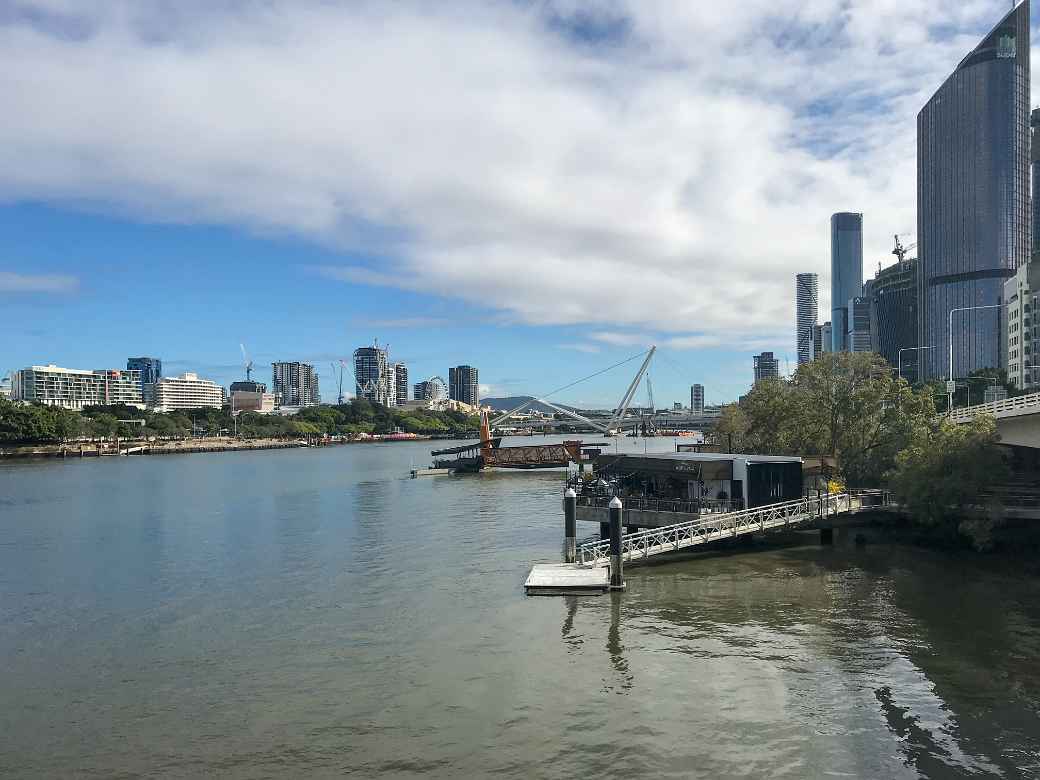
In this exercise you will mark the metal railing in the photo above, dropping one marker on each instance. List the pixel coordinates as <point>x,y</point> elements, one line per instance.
<point>1027,403</point>
<point>654,541</point>
<point>646,503</point>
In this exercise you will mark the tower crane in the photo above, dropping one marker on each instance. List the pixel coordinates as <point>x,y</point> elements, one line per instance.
<point>247,363</point>
<point>900,250</point>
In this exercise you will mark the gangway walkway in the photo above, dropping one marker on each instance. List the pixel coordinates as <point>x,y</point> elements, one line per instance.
<point>654,541</point>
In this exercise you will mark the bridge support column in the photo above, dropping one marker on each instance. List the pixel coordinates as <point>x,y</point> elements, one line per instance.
<point>570,511</point>
<point>826,536</point>
<point>617,578</point>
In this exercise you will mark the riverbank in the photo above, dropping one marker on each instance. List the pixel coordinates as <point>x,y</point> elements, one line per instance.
<point>184,446</point>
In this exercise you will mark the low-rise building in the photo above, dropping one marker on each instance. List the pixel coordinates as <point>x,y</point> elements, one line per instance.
<point>186,392</point>
<point>248,401</point>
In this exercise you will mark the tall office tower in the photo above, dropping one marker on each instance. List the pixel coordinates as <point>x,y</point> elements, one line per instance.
<point>150,368</point>
<point>296,383</point>
<point>1034,164</point>
<point>858,339</point>
<point>807,304</point>
<point>846,273</point>
<point>826,338</point>
<point>374,375</point>
<point>766,366</point>
<point>462,385</point>
<point>400,384</point>
<point>893,316</point>
<point>817,337</point>
<point>697,399</point>
<point>973,200</point>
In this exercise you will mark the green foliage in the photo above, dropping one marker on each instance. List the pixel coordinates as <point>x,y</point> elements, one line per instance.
<point>732,427</point>
<point>848,405</point>
<point>32,423</point>
<point>941,474</point>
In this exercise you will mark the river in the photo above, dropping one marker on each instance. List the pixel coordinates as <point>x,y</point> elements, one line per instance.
<point>316,613</point>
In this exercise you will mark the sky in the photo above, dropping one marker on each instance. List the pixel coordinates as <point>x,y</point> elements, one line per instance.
<point>538,188</point>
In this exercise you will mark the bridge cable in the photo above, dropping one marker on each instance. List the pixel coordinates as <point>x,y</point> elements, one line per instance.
<point>590,376</point>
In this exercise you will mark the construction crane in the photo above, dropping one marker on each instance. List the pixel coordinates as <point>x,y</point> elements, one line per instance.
<point>247,363</point>
<point>342,365</point>
<point>900,250</point>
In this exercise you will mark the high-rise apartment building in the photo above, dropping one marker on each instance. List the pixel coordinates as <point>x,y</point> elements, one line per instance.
<point>1021,298</point>
<point>296,383</point>
<point>858,337</point>
<point>826,338</point>
<point>432,389</point>
<point>893,316</point>
<point>463,386</point>
<point>374,376</point>
<point>806,316</point>
<point>73,388</point>
<point>186,392</point>
<point>846,273</point>
<point>400,384</point>
<point>697,399</point>
<point>766,366</point>
<point>973,200</point>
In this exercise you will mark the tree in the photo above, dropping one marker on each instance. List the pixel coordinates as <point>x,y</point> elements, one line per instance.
<point>941,475</point>
<point>846,405</point>
<point>104,425</point>
<point>732,427</point>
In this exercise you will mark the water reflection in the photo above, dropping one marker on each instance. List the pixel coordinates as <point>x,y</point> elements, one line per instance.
<point>622,679</point>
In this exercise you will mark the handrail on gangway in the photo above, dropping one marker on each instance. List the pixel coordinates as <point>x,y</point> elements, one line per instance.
<point>654,541</point>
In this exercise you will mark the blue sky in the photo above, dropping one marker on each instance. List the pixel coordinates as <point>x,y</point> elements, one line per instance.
<point>536,189</point>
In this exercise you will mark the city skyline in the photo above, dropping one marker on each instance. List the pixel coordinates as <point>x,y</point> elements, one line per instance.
<point>219,234</point>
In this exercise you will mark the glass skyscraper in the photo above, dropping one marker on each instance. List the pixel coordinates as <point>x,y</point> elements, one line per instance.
<point>973,199</point>
<point>846,273</point>
<point>806,315</point>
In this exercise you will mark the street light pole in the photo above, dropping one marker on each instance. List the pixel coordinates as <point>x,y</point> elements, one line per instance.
<point>949,408</point>
<point>899,358</point>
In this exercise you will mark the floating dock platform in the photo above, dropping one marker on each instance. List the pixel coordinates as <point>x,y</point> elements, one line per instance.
<point>566,579</point>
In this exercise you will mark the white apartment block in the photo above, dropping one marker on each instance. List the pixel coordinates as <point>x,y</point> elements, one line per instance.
<point>74,388</point>
<point>186,392</point>
<point>1021,297</point>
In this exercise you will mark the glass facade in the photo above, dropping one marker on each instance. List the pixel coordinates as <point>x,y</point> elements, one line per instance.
<point>806,315</point>
<point>973,199</point>
<point>893,316</point>
<point>846,273</point>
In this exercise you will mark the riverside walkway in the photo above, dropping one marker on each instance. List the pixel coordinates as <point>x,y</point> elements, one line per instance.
<point>642,545</point>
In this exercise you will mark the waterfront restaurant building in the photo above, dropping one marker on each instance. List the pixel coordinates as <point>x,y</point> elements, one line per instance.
<point>744,481</point>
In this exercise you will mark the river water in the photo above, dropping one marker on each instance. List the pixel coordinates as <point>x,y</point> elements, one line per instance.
<point>317,613</point>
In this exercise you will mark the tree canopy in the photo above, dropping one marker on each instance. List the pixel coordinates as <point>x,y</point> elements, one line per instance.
<point>35,423</point>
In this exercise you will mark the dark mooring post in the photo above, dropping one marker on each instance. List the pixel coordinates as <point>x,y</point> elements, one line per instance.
<point>617,577</point>
<point>570,510</point>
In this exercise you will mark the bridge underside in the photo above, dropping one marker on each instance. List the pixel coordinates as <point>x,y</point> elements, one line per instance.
<point>1020,431</point>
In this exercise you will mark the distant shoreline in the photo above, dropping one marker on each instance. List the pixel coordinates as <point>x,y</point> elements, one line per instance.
<point>180,447</point>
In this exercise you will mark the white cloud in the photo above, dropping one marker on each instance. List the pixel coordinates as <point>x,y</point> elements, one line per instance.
<point>672,179</point>
<point>580,346</point>
<point>11,282</point>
